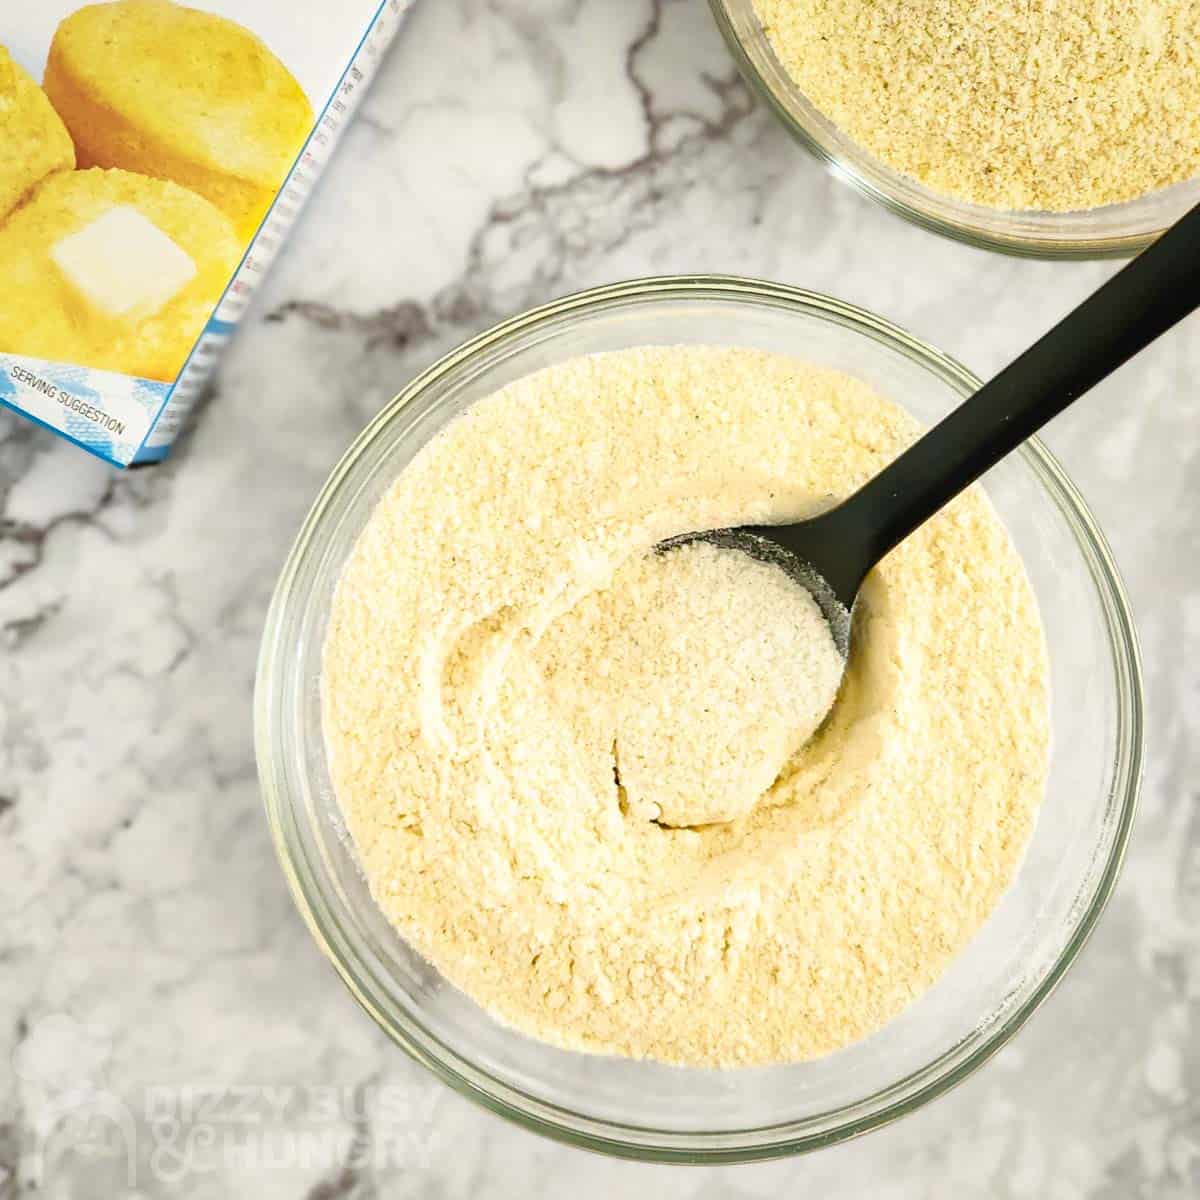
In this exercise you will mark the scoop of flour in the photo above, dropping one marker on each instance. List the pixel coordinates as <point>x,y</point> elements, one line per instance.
<point>707,668</point>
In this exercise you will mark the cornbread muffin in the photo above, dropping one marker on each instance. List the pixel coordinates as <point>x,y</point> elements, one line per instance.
<point>114,270</point>
<point>154,87</point>
<point>33,139</point>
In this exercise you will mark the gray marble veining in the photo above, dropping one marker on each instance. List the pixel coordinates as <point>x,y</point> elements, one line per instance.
<point>151,959</point>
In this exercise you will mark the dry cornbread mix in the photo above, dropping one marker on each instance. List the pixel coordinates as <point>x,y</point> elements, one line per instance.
<point>1053,105</point>
<point>582,777</point>
<point>152,158</point>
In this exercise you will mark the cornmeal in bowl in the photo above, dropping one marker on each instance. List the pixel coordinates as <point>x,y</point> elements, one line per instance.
<point>582,775</point>
<point>114,270</point>
<point>1036,105</point>
<point>169,91</point>
<point>34,142</point>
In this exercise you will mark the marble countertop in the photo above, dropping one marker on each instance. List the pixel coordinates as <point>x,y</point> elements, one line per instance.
<point>152,963</point>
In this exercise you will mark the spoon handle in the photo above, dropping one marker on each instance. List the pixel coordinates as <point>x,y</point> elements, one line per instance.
<point>1156,290</point>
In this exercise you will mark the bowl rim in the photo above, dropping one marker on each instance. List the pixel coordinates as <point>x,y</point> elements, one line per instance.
<point>960,231</point>
<point>610,1136</point>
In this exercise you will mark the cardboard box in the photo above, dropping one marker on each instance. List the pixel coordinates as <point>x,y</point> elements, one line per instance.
<point>153,157</point>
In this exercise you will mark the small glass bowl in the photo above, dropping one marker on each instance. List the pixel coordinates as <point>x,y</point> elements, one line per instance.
<point>1111,231</point>
<point>646,1110</point>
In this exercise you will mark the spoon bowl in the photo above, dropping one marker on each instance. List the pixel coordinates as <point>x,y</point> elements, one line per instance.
<point>789,548</point>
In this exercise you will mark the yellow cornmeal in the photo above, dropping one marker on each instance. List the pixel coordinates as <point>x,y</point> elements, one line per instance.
<point>1050,104</point>
<point>504,638</point>
<point>33,140</point>
<point>180,94</point>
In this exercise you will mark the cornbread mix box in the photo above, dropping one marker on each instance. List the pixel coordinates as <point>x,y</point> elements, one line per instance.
<point>152,158</point>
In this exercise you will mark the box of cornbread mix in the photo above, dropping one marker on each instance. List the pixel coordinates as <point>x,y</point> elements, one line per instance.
<point>152,158</point>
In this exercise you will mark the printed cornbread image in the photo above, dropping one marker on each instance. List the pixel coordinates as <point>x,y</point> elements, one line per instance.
<point>113,270</point>
<point>138,188</point>
<point>34,142</point>
<point>180,94</point>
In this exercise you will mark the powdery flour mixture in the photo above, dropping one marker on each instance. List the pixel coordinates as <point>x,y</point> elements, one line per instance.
<point>582,777</point>
<point>1041,104</point>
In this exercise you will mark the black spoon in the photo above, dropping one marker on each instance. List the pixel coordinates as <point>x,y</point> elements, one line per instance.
<point>832,552</point>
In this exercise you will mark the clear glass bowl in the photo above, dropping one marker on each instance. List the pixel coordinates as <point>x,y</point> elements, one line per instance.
<point>644,1110</point>
<point>1114,230</point>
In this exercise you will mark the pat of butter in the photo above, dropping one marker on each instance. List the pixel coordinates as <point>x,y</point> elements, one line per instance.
<point>123,264</point>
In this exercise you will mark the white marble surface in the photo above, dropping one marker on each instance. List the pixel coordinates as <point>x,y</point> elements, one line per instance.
<point>510,152</point>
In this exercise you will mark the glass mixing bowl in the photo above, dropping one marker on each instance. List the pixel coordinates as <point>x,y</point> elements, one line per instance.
<point>1115,229</point>
<point>645,1110</point>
